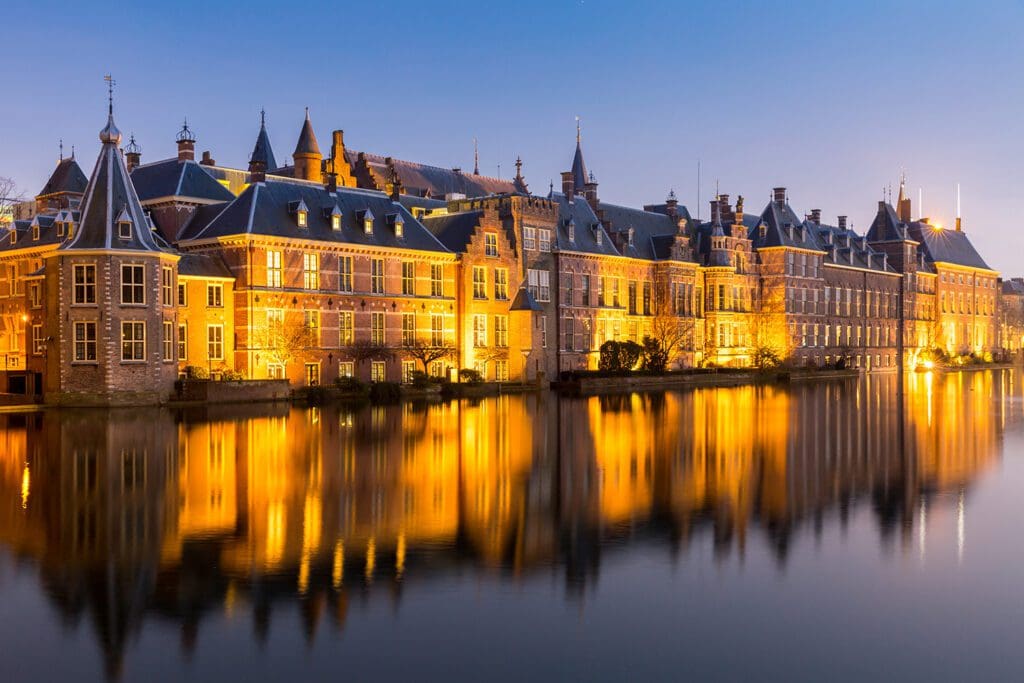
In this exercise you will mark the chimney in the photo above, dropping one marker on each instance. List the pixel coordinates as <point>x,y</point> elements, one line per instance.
<point>842,222</point>
<point>779,195</point>
<point>207,160</point>
<point>132,154</point>
<point>186,140</point>
<point>590,193</point>
<point>816,216</point>
<point>959,225</point>
<point>568,186</point>
<point>331,181</point>
<point>672,205</point>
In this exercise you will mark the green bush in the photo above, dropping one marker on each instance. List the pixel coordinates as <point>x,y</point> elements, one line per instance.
<point>385,392</point>
<point>196,372</point>
<point>619,355</point>
<point>470,376</point>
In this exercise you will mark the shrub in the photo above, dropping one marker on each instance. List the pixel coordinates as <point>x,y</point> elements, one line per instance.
<point>196,372</point>
<point>231,376</point>
<point>470,376</point>
<point>619,355</point>
<point>385,392</point>
<point>350,385</point>
<point>655,358</point>
<point>422,380</point>
<point>766,358</point>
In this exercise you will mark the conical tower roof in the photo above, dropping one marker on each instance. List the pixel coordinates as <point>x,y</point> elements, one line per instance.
<point>110,198</point>
<point>307,138</point>
<point>580,177</point>
<point>263,153</point>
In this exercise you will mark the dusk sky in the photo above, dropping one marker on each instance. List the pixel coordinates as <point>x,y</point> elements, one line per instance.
<point>829,101</point>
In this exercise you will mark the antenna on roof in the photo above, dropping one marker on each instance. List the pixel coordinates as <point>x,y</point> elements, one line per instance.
<point>476,160</point>
<point>920,202</point>
<point>959,224</point>
<point>61,145</point>
<point>577,130</point>
<point>698,190</point>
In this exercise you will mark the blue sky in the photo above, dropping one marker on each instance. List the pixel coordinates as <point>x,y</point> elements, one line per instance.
<point>831,100</point>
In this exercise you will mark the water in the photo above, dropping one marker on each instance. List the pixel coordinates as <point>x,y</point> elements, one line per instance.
<point>818,532</point>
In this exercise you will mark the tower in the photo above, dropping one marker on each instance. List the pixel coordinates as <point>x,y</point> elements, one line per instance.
<point>262,158</point>
<point>307,156</point>
<point>186,140</point>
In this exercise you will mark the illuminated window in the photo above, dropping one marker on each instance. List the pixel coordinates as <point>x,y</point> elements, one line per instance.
<point>346,369</point>
<point>182,341</point>
<point>215,342</point>
<point>368,222</point>
<point>408,278</point>
<point>302,217</point>
<point>133,341</point>
<point>501,284</point>
<point>274,274</point>
<point>38,346</point>
<point>479,282</point>
<point>501,370</point>
<point>311,271</point>
<point>377,328</point>
<point>399,227</point>
<point>35,295</point>
<point>408,329</point>
<point>436,280</point>
<point>182,294</point>
<point>85,342</point>
<point>311,320</point>
<point>408,368</point>
<point>377,276</point>
<point>167,286</point>
<point>378,371</point>
<point>501,331</point>
<point>436,329</point>
<point>168,341</point>
<point>312,374</point>
<point>491,244</point>
<point>345,274</point>
<point>133,289</point>
<point>346,328</point>
<point>480,330</point>
<point>335,219</point>
<point>215,295</point>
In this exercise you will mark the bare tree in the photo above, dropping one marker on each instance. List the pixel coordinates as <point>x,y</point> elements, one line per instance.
<point>772,337</point>
<point>10,196</point>
<point>672,331</point>
<point>363,350</point>
<point>283,342</point>
<point>428,353</point>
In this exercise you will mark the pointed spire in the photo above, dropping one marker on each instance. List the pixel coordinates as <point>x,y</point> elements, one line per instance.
<point>519,180</point>
<point>110,133</point>
<point>262,153</point>
<point>61,145</point>
<point>307,156</point>
<point>476,158</point>
<point>580,176</point>
<point>307,138</point>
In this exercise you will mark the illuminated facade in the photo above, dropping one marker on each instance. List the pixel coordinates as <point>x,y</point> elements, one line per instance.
<point>372,267</point>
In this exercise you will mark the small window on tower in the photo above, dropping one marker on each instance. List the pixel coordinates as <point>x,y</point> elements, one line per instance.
<point>368,222</point>
<point>124,225</point>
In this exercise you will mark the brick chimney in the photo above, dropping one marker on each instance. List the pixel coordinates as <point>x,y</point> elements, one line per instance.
<point>186,140</point>
<point>207,160</point>
<point>816,216</point>
<point>842,222</point>
<point>331,181</point>
<point>672,205</point>
<point>568,186</point>
<point>779,195</point>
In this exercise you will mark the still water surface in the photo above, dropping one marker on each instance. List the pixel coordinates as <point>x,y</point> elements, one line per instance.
<point>822,532</point>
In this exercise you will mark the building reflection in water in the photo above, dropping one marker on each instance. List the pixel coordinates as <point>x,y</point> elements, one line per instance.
<point>152,514</point>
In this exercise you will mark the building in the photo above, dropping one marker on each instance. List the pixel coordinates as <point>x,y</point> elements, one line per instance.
<point>361,265</point>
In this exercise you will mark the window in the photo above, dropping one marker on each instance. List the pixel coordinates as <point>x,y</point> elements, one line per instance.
<point>133,290</point>
<point>408,278</point>
<point>501,370</point>
<point>615,292</point>
<point>436,280</point>
<point>346,369</point>
<point>378,371</point>
<point>273,268</point>
<point>275,371</point>
<point>408,367</point>
<point>479,330</point>
<point>479,282</point>
<point>311,320</point>
<point>647,298</point>
<point>569,343</point>
<point>215,342</point>
<point>377,276</point>
<point>310,271</point>
<point>60,228</point>
<point>182,294</point>
<point>567,283</point>
<point>168,341</point>
<point>368,222</point>
<point>85,342</point>
<point>501,331</point>
<point>38,345</point>
<point>491,244</point>
<point>35,295</point>
<point>133,341</point>
<point>167,286</point>
<point>585,289</point>
<point>302,218</point>
<point>543,323</point>
<point>436,329</point>
<point>501,284</point>
<point>631,297</point>
<point>215,295</point>
<point>408,329</point>
<point>437,369</point>
<point>529,238</point>
<point>183,341</point>
<point>377,328</point>
<point>539,284</point>
<point>312,374</point>
<point>345,274</point>
<point>124,230</point>
<point>543,240</point>
<point>346,328</point>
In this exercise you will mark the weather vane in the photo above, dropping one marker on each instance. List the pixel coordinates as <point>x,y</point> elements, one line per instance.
<point>110,92</point>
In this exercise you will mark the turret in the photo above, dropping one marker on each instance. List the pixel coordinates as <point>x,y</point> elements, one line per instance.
<point>132,153</point>
<point>186,140</point>
<point>307,156</point>
<point>262,158</point>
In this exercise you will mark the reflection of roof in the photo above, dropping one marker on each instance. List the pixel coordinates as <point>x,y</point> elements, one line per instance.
<point>268,208</point>
<point>455,230</point>
<point>946,246</point>
<point>67,177</point>
<point>432,181</point>
<point>174,178</point>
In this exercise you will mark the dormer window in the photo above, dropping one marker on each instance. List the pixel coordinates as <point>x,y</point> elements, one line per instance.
<point>35,230</point>
<point>368,222</point>
<point>598,235</point>
<point>399,227</point>
<point>572,230</point>
<point>60,228</point>
<point>301,212</point>
<point>124,225</point>
<point>333,214</point>
<point>629,236</point>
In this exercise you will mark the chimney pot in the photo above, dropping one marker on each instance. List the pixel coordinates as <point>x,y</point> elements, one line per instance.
<point>207,160</point>
<point>779,195</point>
<point>842,222</point>
<point>816,216</point>
<point>568,185</point>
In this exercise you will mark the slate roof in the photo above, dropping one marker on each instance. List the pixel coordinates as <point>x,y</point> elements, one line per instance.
<point>174,178</point>
<point>110,195</point>
<point>267,208</point>
<point>47,231</point>
<point>432,181</point>
<point>650,228</point>
<point>579,168</point>
<point>202,216</point>
<point>1014,287</point>
<point>454,230</point>
<point>776,217</point>
<point>262,151</point>
<point>846,248</point>
<point>886,226</point>
<point>946,246</point>
<point>203,265</point>
<point>587,226</point>
<point>307,139</point>
<point>67,177</point>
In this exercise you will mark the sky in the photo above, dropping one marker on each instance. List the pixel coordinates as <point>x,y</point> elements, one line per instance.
<point>831,100</point>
